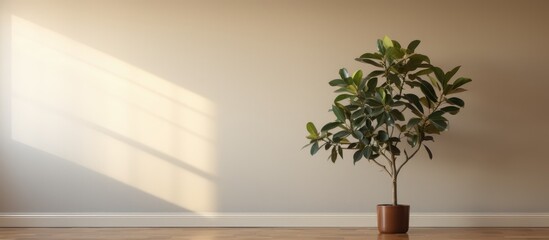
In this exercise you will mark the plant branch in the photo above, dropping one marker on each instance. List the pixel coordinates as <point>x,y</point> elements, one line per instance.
<point>382,166</point>
<point>409,157</point>
<point>388,159</point>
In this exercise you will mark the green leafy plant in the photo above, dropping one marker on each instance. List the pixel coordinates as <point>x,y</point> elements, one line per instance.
<point>388,115</point>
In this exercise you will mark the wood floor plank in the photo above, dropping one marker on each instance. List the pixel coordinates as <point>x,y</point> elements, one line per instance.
<point>270,234</point>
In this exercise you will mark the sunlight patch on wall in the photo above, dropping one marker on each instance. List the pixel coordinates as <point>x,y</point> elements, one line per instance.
<point>92,109</point>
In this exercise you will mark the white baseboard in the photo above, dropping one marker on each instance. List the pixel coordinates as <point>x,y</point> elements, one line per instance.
<point>269,220</point>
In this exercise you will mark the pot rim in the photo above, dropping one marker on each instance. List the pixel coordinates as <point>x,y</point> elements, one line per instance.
<point>391,205</point>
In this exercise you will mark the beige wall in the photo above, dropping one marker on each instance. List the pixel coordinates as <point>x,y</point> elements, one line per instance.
<point>174,106</point>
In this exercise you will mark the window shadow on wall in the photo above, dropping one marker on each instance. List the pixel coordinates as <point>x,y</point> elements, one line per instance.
<point>89,108</point>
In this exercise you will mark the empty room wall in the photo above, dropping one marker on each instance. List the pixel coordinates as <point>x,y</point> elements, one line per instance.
<point>200,106</point>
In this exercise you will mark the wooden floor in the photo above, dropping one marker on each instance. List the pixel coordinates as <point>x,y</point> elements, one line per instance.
<point>270,233</point>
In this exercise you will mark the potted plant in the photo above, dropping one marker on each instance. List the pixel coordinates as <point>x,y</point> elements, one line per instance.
<point>388,115</point>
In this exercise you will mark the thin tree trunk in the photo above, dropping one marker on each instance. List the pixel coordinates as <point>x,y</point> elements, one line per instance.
<point>395,176</point>
<point>395,199</point>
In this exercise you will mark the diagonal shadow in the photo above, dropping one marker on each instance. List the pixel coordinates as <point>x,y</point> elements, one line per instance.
<point>15,194</point>
<point>104,69</point>
<point>172,160</point>
<point>132,162</point>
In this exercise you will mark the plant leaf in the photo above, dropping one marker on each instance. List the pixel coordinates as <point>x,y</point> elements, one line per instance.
<point>359,122</point>
<point>414,110</point>
<point>338,82</point>
<point>396,44</point>
<point>397,115</point>
<point>367,152</point>
<point>413,45</point>
<point>374,74</point>
<point>457,90</point>
<point>423,72</point>
<point>372,84</point>
<point>339,113</point>
<point>342,97</point>
<point>450,109</point>
<point>387,42</point>
<point>380,47</point>
<point>415,61</point>
<point>330,126</point>
<point>414,99</point>
<point>369,61</point>
<point>413,122</point>
<point>372,55</point>
<point>428,138</point>
<point>389,119</point>
<point>311,128</point>
<point>343,73</point>
<point>334,154</point>
<point>380,119</point>
<point>339,136</point>
<point>357,114</point>
<point>394,53</point>
<point>394,79</point>
<point>441,77</point>
<point>431,129</point>
<point>428,90</point>
<point>374,103</point>
<point>357,156</point>
<point>394,150</point>
<point>437,115</point>
<point>349,89</point>
<point>440,125</point>
<point>460,82</point>
<point>456,101</point>
<point>412,140</point>
<point>314,148</point>
<point>380,92</point>
<point>429,152</point>
<point>357,77</point>
<point>435,82</point>
<point>425,102</point>
<point>357,134</point>
<point>438,120</point>
<point>451,73</point>
<point>382,136</point>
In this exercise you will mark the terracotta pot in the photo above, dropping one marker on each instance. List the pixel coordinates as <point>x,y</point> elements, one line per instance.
<point>393,219</point>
